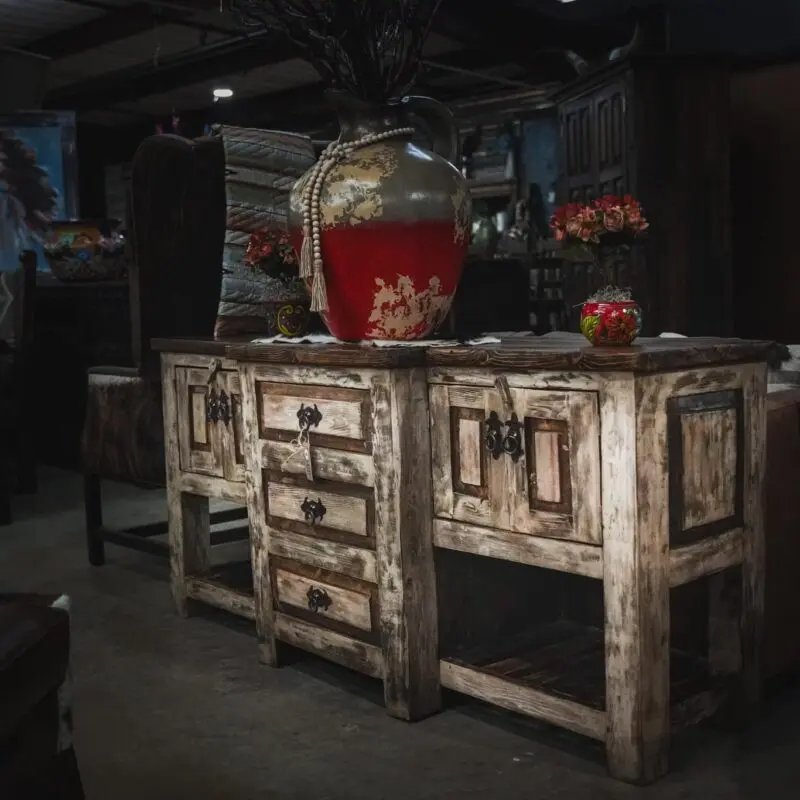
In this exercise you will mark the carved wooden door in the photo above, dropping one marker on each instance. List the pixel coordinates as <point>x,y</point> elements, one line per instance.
<point>210,422</point>
<point>518,459</point>
<point>576,118</point>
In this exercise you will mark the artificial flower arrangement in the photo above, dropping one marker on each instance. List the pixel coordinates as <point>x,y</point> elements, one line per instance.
<point>603,232</point>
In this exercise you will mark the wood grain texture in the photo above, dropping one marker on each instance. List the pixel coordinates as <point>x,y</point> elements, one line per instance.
<point>342,512</point>
<point>752,609</point>
<point>341,604</point>
<point>524,700</point>
<point>189,525</point>
<point>709,466</point>
<point>403,505</point>
<point>199,439</point>
<point>343,413</point>
<point>357,562</point>
<point>635,585</point>
<point>559,352</point>
<point>233,492</point>
<point>257,511</point>
<point>360,656</point>
<point>576,381</point>
<point>705,431</point>
<point>214,593</point>
<point>232,433</point>
<point>706,557</point>
<point>327,464</point>
<point>536,551</point>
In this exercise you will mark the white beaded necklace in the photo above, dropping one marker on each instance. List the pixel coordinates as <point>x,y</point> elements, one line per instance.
<point>311,250</point>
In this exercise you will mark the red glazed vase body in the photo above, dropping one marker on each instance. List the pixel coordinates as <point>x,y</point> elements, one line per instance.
<point>611,324</point>
<point>395,226</point>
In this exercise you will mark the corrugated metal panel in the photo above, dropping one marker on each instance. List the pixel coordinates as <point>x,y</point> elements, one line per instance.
<point>23,21</point>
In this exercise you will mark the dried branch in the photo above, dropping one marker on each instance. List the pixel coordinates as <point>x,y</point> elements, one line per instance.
<point>371,49</point>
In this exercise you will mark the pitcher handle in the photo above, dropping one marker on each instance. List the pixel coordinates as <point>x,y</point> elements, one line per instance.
<point>439,123</point>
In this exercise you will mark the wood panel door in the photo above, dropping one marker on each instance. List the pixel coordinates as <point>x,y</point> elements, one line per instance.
<point>210,422</point>
<point>611,139</point>
<point>199,436</point>
<point>577,141</point>
<point>518,460</point>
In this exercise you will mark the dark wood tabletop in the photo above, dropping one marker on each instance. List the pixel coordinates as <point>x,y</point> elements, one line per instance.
<point>513,353</point>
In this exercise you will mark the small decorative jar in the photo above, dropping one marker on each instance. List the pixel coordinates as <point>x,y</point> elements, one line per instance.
<point>611,318</point>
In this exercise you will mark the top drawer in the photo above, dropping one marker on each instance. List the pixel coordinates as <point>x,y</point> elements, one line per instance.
<point>334,417</point>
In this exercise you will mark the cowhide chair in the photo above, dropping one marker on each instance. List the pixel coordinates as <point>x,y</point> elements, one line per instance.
<point>178,223</point>
<point>17,452</point>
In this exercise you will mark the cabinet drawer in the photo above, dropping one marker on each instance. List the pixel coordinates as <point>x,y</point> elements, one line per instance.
<point>321,509</point>
<point>334,417</point>
<point>325,598</point>
<point>520,460</point>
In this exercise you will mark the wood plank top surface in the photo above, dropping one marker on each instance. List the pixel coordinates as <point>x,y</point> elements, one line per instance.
<point>513,353</point>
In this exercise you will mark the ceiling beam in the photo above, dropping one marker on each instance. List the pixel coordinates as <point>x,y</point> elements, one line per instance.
<point>116,25</point>
<point>239,54</point>
<point>520,34</point>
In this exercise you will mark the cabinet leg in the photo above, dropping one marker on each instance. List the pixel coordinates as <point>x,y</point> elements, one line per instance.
<point>189,542</point>
<point>93,506</point>
<point>635,581</point>
<point>404,537</point>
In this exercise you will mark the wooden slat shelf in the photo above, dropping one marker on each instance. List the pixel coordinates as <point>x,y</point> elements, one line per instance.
<point>228,586</point>
<point>566,661</point>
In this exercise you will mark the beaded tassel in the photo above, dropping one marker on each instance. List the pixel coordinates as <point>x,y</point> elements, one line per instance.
<point>311,264</point>
<point>306,255</point>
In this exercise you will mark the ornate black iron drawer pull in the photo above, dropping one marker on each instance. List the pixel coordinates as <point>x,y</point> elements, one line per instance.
<point>318,599</point>
<point>308,417</point>
<point>224,408</point>
<point>212,406</point>
<point>512,444</point>
<point>494,435</point>
<point>313,510</point>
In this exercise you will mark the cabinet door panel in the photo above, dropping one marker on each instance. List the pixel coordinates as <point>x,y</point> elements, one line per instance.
<point>557,487</point>
<point>552,489</point>
<point>199,437</point>
<point>468,483</point>
<point>233,431</point>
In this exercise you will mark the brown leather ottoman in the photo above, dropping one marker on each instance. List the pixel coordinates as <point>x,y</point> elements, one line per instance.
<point>36,757</point>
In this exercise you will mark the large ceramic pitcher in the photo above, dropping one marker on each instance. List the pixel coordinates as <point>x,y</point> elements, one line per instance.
<point>394,222</point>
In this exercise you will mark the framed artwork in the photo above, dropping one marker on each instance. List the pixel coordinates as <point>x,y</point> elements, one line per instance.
<point>38,180</point>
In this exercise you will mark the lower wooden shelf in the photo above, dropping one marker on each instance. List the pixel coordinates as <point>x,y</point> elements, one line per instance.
<point>557,673</point>
<point>227,586</point>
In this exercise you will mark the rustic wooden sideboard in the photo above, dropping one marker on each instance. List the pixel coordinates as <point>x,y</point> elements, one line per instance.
<point>506,520</point>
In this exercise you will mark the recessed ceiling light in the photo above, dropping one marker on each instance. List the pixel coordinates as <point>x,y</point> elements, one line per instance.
<point>220,93</point>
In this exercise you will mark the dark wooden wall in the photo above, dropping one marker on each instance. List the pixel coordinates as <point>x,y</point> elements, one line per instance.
<point>765,166</point>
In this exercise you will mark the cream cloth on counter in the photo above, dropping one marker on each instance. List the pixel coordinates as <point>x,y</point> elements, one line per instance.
<point>324,338</point>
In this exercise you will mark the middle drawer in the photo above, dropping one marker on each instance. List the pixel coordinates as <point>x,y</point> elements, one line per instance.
<point>340,512</point>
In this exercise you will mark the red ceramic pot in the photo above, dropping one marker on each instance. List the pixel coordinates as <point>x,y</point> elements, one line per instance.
<point>395,222</point>
<point>611,324</point>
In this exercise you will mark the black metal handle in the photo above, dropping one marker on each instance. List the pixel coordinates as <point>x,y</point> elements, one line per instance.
<point>224,407</point>
<point>308,417</point>
<point>512,443</point>
<point>218,407</point>
<point>212,406</point>
<point>313,510</point>
<point>318,599</point>
<point>494,435</point>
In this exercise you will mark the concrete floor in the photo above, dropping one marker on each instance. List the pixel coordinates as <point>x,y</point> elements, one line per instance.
<point>174,708</point>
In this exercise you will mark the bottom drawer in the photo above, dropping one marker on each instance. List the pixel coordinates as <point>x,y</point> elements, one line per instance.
<point>338,602</point>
